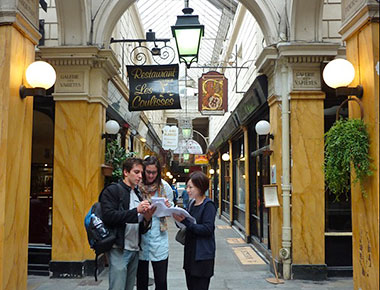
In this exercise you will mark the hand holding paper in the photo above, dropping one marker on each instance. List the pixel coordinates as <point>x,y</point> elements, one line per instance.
<point>162,210</point>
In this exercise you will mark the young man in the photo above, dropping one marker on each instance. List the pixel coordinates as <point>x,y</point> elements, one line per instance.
<point>124,211</point>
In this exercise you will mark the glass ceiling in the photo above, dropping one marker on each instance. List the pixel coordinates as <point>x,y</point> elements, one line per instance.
<point>215,15</point>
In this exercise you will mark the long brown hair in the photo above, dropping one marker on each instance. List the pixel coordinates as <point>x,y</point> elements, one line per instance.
<point>152,160</point>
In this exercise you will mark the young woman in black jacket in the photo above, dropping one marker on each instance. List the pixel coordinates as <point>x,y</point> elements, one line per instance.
<point>199,256</point>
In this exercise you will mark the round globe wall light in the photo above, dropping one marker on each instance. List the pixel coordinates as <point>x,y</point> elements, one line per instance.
<point>262,127</point>
<point>338,73</point>
<point>226,157</point>
<point>112,127</point>
<point>211,171</point>
<point>40,76</point>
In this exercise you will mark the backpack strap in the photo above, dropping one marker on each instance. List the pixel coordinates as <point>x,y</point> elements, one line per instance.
<point>96,267</point>
<point>121,196</point>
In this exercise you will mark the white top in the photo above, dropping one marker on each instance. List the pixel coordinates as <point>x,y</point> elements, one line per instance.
<point>131,237</point>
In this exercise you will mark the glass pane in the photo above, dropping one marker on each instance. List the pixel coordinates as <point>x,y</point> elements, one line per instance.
<point>240,183</point>
<point>188,41</point>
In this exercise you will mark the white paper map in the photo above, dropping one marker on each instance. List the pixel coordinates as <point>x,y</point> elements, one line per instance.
<point>162,210</point>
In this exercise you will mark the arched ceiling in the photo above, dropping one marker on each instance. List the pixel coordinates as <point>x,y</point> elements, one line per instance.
<point>84,22</point>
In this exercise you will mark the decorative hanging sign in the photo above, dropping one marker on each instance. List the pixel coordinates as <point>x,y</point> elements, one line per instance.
<point>153,87</point>
<point>200,159</point>
<point>170,138</point>
<point>213,93</point>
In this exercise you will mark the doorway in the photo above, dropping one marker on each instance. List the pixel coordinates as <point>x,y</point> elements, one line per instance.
<point>41,187</point>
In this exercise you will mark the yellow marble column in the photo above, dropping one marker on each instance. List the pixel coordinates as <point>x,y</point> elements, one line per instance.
<point>247,179</point>
<point>276,160</point>
<point>308,187</point>
<point>16,120</point>
<point>231,183</point>
<point>80,114</point>
<point>363,52</point>
<point>78,154</point>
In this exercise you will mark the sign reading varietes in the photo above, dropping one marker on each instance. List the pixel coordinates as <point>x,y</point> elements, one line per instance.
<point>153,87</point>
<point>212,92</point>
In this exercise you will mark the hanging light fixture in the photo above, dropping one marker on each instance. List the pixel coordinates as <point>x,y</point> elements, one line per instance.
<point>187,32</point>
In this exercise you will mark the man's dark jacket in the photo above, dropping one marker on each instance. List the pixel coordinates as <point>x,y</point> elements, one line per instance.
<point>116,213</point>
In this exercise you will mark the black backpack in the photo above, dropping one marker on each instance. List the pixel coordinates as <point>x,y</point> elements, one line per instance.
<point>100,238</point>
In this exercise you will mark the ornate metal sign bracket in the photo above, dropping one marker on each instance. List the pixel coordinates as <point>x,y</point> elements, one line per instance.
<point>140,54</point>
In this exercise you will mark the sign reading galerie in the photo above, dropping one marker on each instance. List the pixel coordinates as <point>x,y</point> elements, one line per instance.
<point>153,87</point>
<point>170,137</point>
<point>212,92</point>
<point>72,82</point>
<point>306,79</point>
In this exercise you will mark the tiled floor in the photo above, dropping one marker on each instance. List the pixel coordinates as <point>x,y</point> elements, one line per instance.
<point>237,267</point>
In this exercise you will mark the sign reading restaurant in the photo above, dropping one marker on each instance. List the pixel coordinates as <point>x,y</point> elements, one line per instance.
<point>153,87</point>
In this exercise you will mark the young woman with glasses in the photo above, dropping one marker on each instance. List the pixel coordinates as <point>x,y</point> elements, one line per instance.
<point>154,243</point>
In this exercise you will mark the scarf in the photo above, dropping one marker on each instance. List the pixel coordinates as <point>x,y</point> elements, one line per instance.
<point>149,190</point>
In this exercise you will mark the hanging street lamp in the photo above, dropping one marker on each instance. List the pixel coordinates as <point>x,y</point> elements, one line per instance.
<point>187,32</point>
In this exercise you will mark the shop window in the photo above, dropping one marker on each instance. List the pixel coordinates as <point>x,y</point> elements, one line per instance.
<point>239,182</point>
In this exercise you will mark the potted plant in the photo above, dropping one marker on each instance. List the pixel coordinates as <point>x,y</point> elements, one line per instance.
<point>346,148</point>
<point>114,158</point>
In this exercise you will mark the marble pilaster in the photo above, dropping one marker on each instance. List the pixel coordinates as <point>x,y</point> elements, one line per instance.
<point>81,100</point>
<point>308,188</point>
<point>361,32</point>
<point>16,119</point>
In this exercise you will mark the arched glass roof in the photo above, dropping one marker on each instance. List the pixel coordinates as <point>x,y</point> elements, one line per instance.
<point>215,15</point>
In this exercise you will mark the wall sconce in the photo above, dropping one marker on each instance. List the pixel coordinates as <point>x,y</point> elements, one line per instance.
<point>226,157</point>
<point>263,129</point>
<point>338,74</point>
<point>142,139</point>
<point>40,76</point>
<point>112,128</point>
<point>168,174</point>
<point>211,171</point>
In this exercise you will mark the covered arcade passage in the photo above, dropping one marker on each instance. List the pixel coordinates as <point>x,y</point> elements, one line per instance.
<point>276,42</point>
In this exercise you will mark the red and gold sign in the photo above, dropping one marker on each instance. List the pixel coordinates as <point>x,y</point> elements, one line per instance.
<point>212,92</point>
<point>200,159</point>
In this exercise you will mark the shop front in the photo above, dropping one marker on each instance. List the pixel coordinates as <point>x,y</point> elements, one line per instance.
<point>243,171</point>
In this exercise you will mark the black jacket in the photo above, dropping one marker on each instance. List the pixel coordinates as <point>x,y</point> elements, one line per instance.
<point>116,212</point>
<point>203,230</point>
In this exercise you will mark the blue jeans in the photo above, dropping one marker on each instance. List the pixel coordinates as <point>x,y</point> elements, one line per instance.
<point>123,269</point>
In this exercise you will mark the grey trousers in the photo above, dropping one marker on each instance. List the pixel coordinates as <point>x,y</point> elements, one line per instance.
<point>123,269</point>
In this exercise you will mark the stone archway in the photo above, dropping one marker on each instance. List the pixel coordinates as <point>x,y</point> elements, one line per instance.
<point>279,21</point>
<point>77,28</point>
<point>263,12</point>
<point>305,26</point>
<point>73,22</point>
